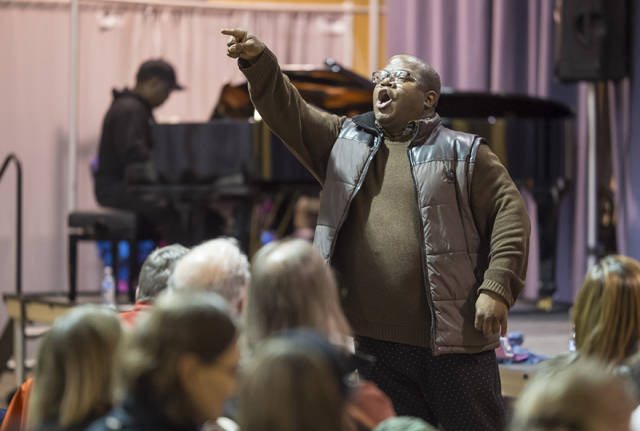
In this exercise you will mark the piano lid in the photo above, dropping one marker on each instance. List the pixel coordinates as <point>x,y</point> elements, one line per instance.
<point>335,89</point>
<point>469,104</point>
<point>341,91</point>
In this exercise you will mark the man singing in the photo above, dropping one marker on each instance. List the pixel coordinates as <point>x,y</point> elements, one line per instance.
<point>426,230</point>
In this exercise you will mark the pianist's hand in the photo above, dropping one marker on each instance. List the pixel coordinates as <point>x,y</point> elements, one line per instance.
<point>243,44</point>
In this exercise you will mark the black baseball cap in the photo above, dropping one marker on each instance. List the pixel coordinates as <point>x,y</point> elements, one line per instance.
<point>158,68</point>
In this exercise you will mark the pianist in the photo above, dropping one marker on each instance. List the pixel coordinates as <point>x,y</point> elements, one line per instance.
<point>124,155</point>
<point>424,226</point>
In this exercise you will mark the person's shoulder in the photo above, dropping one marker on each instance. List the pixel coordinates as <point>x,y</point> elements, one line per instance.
<point>52,426</point>
<point>557,363</point>
<point>366,121</point>
<point>127,102</point>
<point>372,402</point>
<point>112,422</point>
<point>98,425</point>
<point>404,423</point>
<point>457,144</point>
<point>460,136</point>
<point>360,128</point>
<point>117,419</point>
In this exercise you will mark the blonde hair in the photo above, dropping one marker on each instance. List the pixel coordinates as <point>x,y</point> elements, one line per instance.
<point>288,386</point>
<point>73,374</point>
<point>291,287</point>
<point>606,313</point>
<point>197,323</point>
<point>577,397</point>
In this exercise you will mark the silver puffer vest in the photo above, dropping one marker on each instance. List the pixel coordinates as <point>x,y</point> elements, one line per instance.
<point>442,164</point>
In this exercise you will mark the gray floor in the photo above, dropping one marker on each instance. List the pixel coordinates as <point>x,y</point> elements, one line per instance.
<point>545,333</point>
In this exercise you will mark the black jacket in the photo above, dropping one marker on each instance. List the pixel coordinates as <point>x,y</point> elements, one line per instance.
<point>134,415</point>
<point>52,426</point>
<point>125,141</point>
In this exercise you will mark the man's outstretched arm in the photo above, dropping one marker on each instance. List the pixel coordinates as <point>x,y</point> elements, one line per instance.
<point>308,132</point>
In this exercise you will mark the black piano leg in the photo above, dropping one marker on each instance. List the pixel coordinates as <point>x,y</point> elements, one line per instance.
<point>242,223</point>
<point>73,266</point>
<point>114,266</point>
<point>133,269</point>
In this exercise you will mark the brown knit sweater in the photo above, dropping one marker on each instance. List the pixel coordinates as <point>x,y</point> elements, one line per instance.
<point>377,254</point>
<point>378,261</point>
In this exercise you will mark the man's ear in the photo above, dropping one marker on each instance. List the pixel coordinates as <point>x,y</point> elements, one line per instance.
<point>430,98</point>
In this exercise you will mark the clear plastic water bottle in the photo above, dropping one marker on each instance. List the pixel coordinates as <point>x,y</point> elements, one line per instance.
<point>572,341</point>
<point>107,287</point>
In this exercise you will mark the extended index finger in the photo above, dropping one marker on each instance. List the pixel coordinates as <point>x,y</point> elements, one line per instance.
<point>235,32</point>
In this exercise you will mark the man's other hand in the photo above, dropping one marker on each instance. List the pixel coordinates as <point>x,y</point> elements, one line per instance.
<point>243,44</point>
<point>491,314</point>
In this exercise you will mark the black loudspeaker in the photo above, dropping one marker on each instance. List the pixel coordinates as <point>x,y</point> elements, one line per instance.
<point>592,39</point>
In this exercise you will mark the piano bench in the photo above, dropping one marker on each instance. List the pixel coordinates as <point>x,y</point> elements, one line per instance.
<point>113,226</point>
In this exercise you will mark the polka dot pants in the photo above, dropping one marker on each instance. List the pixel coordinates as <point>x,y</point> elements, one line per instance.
<point>456,392</point>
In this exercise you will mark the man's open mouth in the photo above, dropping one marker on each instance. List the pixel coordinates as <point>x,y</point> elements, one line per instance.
<point>384,99</point>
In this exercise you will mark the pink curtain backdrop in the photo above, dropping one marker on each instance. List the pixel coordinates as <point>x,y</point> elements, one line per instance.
<point>114,40</point>
<point>503,46</point>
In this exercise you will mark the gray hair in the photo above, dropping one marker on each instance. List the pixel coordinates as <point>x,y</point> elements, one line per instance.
<point>215,266</point>
<point>156,270</point>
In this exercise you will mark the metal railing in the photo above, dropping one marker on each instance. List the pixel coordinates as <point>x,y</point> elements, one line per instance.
<point>12,157</point>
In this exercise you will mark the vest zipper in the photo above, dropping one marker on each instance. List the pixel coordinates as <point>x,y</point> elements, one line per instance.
<point>377,141</point>
<point>423,251</point>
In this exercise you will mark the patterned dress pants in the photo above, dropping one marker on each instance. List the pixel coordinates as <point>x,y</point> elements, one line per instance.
<point>455,392</point>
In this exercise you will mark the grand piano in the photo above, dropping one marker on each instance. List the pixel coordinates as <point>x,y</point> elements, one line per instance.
<point>532,137</point>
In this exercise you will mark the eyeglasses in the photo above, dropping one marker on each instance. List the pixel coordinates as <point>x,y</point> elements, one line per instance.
<point>395,77</point>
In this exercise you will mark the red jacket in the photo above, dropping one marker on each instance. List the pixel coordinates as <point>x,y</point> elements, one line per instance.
<point>129,317</point>
<point>16,417</point>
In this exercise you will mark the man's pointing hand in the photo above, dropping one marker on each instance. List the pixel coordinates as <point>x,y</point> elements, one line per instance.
<point>243,44</point>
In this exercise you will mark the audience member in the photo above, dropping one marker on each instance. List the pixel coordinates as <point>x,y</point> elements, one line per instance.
<point>606,313</point>
<point>606,316</point>
<point>73,375</point>
<point>178,366</point>
<point>292,287</point>
<point>153,279</point>
<point>296,381</point>
<point>586,396</point>
<point>215,266</point>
